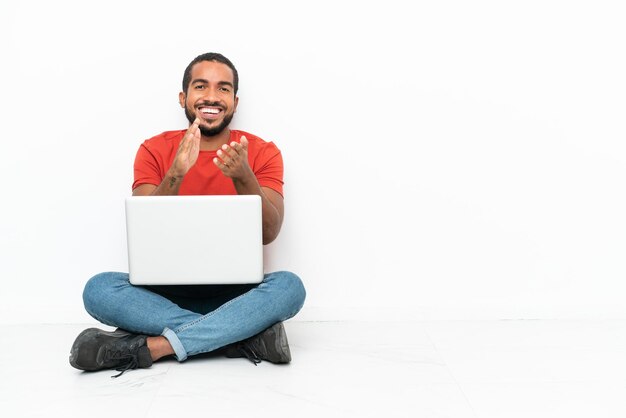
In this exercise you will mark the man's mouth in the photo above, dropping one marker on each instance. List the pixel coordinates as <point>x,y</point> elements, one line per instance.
<point>209,112</point>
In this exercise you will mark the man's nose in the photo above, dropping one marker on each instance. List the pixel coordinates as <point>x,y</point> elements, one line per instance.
<point>210,94</point>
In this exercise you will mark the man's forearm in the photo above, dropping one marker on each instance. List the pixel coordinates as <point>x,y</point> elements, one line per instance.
<point>169,186</point>
<point>271,216</point>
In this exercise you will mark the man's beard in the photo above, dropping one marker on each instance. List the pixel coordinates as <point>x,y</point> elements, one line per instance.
<point>210,131</point>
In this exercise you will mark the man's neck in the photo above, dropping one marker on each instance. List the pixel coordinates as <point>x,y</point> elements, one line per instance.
<point>212,143</point>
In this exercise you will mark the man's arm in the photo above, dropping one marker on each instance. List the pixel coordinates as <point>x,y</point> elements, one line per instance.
<point>272,208</point>
<point>233,162</point>
<point>185,158</point>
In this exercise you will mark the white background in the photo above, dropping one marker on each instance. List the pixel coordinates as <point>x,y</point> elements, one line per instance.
<point>444,159</point>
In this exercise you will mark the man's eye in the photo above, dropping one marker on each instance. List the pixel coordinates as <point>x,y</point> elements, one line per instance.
<point>199,87</point>
<point>225,89</point>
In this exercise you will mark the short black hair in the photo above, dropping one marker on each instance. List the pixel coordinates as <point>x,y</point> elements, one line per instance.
<point>210,56</point>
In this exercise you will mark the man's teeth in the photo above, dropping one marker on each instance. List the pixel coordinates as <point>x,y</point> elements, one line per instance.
<point>212,111</point>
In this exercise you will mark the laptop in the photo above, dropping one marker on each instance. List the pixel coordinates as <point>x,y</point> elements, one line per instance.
<point>178,240</point>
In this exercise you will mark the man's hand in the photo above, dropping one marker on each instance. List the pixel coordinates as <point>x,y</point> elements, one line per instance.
<point>233,160</point>
<point>186,157</point>
<point>188,151</point>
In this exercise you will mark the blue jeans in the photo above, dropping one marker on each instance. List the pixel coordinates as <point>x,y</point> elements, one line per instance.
<point>194,319</point>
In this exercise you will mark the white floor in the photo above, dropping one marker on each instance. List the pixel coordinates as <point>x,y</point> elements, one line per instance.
<point>484,369</point>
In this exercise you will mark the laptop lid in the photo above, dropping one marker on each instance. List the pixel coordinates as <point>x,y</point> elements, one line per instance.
<point>194,239</point>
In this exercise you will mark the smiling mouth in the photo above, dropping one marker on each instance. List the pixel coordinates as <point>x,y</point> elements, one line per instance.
<point>209,112</point>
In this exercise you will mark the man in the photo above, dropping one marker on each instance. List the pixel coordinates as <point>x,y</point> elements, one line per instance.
<point>158,321</point>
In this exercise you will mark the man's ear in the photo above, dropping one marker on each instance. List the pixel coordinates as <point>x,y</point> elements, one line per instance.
<point>236,103</point>
<point>181,99</point>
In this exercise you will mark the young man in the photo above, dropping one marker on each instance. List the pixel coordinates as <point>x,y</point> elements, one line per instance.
<point>207,158</point>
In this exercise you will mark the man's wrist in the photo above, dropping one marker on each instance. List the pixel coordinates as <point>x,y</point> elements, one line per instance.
<point>173,172</point>
<point>172,178</point>
<point>247,179</point>
<point>248,182</point>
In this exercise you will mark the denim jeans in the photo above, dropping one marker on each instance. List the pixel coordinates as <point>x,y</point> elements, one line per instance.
<point>195,319</point>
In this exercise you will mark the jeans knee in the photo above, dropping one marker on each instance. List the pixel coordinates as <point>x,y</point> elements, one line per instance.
<point>293,288</point>
<point>97,289</point>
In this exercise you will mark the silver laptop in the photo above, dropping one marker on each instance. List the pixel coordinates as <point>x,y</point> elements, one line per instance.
<point>194,239</point>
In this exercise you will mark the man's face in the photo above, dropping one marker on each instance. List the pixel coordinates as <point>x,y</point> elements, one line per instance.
<point>210,96</point>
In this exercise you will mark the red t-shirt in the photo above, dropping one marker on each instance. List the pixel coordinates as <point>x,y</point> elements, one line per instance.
<point>155,156</point>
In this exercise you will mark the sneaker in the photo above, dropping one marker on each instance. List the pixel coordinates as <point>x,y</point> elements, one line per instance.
<point>270,345</point>
<point>95,349</point>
